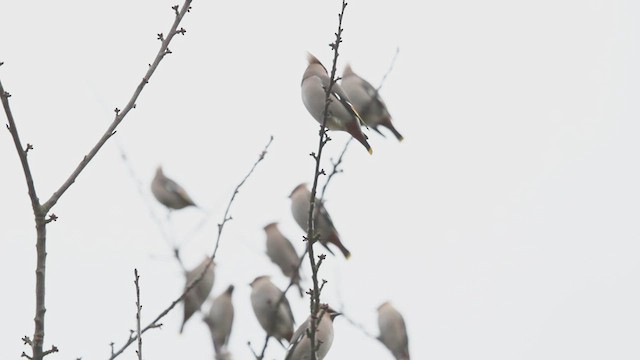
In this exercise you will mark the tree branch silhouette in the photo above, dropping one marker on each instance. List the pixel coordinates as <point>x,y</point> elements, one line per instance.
<point>40,210</point>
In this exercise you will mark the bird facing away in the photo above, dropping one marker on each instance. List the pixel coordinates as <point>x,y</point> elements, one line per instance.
<point>300,345</point>
<point>323,224</point>
<point>282,253</point>
<point>198,294</point>
<point>341,114</point>
<point>277,322</point>
<point>367,102</point>
<point>393,332</point>
<point>169,193</point>
<point>220,321</point>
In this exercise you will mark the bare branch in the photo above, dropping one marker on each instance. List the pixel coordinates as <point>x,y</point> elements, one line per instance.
<point>335,169</point>
<point>22,154</point>
<point>311,236</point>
<point>120,114</point>
<point>138,313</point>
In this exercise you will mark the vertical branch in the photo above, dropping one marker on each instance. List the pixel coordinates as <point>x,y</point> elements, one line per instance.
<point>311,236</point>
<point>138,313</point>
<point>37,345</point>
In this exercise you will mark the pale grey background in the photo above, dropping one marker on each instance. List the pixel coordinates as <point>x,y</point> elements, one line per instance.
<point>505,226</point>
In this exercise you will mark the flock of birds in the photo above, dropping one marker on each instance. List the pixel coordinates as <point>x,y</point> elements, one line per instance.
<point>354,103</point>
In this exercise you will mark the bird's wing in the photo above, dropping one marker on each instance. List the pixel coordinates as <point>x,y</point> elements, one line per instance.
<point>296,339</point>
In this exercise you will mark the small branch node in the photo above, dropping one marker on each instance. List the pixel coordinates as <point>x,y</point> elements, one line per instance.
<point>51,218</point>
<point>53,349</point>
<point>27,340</point>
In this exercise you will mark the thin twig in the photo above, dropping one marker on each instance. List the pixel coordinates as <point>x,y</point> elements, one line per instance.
<point>335,169</point>
<point>155,323</point>
<point>358,326</point>
<point>374,96</point>
<point>138,313</point>
<point>311,236</point>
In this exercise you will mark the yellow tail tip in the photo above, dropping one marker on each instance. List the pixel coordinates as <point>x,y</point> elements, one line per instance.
<point>370,151</point>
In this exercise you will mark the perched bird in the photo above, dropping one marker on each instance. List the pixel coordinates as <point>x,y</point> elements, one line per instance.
<point>169,193</point>
<point>393,332</point>
<point>198,294</point>
<point>367,101</point>
<point>282,253</point>
<point>300,345</point>
<point>277,322</point>
<point>341,114</point>
<point>323,225</point>
<point>220,322</point>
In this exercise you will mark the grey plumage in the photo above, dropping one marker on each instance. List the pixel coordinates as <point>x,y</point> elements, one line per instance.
<point>323,224</point>
<point>169,193</point>
<point>277,322</point>
<point>282,253</point>
<point>393,331</point>
<point>367,101</point>
<point>341,114</point>
<point>220,322</point>
<point>194,299</point>
<point>300,345</point>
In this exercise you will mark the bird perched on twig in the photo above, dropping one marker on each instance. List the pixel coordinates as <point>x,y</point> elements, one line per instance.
<point>340,115</point>
<point>220,321</point>
<point>169,193</point>
<point>277,322</point>
<point>300,346</point>
<point>194,299</point>
<point>323,225</point>
<point>393,332</point>
<point>367,101</point>
<point>282,253</point>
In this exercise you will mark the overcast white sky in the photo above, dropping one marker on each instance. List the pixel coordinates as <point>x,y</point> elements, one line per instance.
<point>505,226</point>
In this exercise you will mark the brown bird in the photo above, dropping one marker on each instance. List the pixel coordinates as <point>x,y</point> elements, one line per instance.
<point>220,321</point>
<point>194,299</point>
<point>282,253</point>
<point>367,101</point>
<point>300,345</point>
<point>393,332</point>
<point>169,193</point>
<point>323,224</point>
<point>340,115</point>
<point>277,322</point>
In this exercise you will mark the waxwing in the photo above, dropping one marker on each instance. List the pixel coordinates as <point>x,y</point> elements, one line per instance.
<point>194,299</point>
<point>341,114</point>
<point>367,102</point>
<point>393,332</point>
<point>323,224</point>
<point>282,253</point>
<point>169,193</point>
<point>300,345</point>
<point>277,322</point>
<point>220,321</point>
